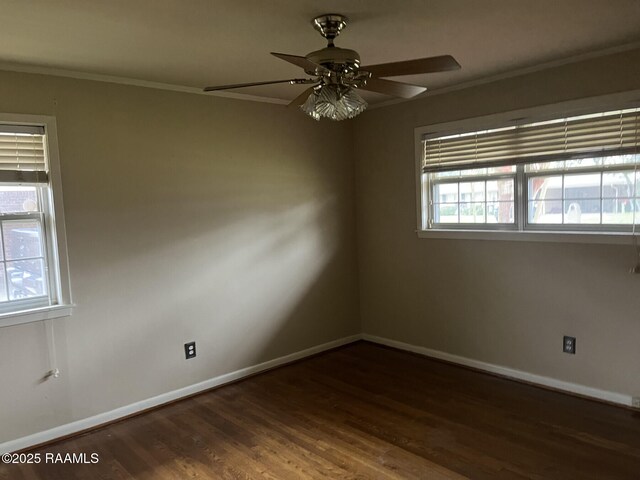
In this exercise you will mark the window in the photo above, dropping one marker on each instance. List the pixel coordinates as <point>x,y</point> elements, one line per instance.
<point>33,273</point>
<point>573,174</point>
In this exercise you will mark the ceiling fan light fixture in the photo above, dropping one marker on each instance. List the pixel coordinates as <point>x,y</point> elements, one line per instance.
<point>337,74</point>
<point>309,106</point>
<point>335,102</point>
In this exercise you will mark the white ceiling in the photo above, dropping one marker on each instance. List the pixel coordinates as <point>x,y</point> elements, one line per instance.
<point>195,43</point>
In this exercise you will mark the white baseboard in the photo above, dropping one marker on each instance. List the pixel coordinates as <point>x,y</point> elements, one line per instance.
<point>106,417</point>
<point>596,393</point>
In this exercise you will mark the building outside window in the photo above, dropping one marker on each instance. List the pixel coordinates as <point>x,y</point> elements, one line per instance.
<point>570,174</point>
<point>34,277</point>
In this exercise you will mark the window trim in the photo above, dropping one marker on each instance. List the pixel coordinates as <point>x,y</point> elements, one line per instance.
<point>470,226</point>
<point>541,113</point>
<point>60,280</point>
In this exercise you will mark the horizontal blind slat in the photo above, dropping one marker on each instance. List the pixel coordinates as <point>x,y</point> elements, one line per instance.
<point>23,176</point>
<point>507,161</point>
<point>22,150</point>
<point>613,135</point>
<point>569,137</point>
<point>573,145</point>
<point>21,129</point>
<point>607,138</point>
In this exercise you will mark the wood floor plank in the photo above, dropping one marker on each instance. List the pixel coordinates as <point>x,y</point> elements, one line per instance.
<point>361,412</point>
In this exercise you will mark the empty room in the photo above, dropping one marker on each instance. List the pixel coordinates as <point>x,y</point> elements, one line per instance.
<point>320,240</point>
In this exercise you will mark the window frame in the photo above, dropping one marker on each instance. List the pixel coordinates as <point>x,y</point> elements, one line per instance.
<point>54,232</point>
<point>585,227</point>
<point>430,204</point>
<point>522,230</point>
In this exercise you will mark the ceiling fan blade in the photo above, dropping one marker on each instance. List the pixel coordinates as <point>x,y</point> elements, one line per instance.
<point>300,99</point>
<point>253,84</point>
<point>442,63</point>
<point>389,87</point>
<point>308,66</point>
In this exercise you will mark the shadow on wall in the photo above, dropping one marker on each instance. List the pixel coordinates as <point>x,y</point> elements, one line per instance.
<point>250,291</point>
<point>220,222</point>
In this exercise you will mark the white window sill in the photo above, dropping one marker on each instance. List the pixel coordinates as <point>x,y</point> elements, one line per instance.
<point>531,236</point>
<point>35,315</point>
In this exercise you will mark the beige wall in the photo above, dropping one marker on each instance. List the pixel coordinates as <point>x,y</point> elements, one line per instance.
<point>188,218</point>
<point>507,303</point>
<point>230,223</point>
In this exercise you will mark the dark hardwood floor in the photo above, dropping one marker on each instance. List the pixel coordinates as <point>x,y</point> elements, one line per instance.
<point>362,411</point>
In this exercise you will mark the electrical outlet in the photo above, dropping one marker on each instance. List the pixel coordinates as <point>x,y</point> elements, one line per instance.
<point>189,350</point>
<point>635,402</point>
<point>569,345</point>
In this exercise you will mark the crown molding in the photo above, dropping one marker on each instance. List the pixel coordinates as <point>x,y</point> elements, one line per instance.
<point>98,77</point>
<point>59,72</point>
<point>514,73</point>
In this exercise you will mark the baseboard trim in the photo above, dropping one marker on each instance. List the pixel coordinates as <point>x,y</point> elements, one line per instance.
<point>96,421</point>
<point>552,383</point>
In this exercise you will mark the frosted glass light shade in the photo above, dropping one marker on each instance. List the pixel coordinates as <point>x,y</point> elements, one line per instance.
<point>335,102</point>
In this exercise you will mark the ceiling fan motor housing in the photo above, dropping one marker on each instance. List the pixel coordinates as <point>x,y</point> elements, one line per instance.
<point>338,60</point>
<point>335,59</point>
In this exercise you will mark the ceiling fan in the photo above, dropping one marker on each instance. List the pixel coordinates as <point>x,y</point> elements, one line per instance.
<point>337,73</point>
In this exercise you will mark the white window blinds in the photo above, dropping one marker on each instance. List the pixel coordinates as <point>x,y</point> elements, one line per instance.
<point>22,154</point>
<point>608,133</point>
